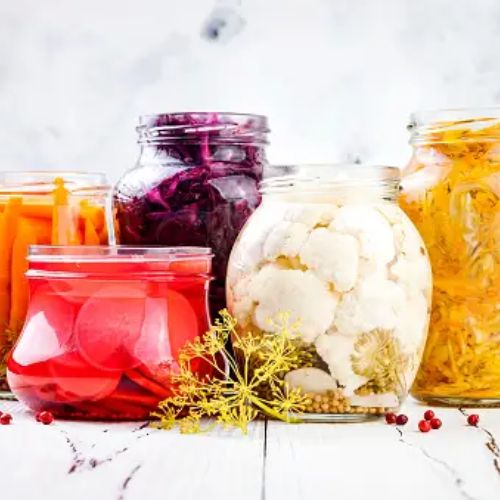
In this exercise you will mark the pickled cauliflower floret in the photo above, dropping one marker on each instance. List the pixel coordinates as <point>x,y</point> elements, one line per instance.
<point>392,213</point>
<point>369,268</point>
<point>374,303</point>
<point>370,227</point>
<point>336,351</point>
<point>411,326</point>
<point>286,239</point>
<point>313,215</point>
<point>414,275</point>
<point>247,253</point>
<point>300,293</point>
<point>334,257</point>
<point>240,301</point>
<point>310,380</point>
<point>408,241</point>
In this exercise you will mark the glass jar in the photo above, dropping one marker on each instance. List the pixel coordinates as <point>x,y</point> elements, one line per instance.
<point>330,247</point>
<point>451,191</point>
<point>105,326</point>
<point>195,183</point>
<point>60,208</point>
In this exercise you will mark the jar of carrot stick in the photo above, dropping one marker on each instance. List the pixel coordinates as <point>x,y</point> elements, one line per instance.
<point>43,208</point>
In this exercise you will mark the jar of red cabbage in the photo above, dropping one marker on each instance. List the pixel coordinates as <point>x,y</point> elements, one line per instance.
<point>195,184</point>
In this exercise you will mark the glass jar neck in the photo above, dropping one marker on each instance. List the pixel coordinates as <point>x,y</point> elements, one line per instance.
<point>332,184</point>
<point>454,126</point>
<point>203,129</point>
<point>203,138</point>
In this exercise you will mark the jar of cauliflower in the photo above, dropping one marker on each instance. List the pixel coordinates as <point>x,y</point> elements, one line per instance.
<point>330,248</point>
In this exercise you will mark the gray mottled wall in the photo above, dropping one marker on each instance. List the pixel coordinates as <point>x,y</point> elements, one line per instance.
<point>338,78</point>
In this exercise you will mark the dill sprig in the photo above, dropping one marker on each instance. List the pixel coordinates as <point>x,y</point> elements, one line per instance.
<point>242,386</point>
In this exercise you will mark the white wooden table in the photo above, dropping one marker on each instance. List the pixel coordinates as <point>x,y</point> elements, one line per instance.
<point>130,461</point>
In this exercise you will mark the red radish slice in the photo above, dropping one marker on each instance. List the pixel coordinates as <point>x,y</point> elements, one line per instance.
<point>48,328</point>
<point>182,322</point>
<point>161,373</point>
<point>77,380</point>
<point>108,326</point>
<point>149,384</point>
<point>146,400</point>
<point>76,291</point>
<point>169,322</point>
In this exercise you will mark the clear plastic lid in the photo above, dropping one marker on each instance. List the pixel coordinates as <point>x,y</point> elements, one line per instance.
<point>123,263</point>
<point>54,253</point>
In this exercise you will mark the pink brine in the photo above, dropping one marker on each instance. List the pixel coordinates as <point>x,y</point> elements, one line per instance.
<point>105,326</point>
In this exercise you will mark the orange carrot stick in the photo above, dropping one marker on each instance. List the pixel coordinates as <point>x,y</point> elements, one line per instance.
<point>103,236</point>
<point>94,213</point>
<point>91,237</point>
<point>64,225</point>
<point>8,226</point>
<point>38,210</point>
<point>26,235</point>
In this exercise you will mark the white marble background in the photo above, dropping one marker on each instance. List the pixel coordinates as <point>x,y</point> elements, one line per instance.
<point>338,78</point>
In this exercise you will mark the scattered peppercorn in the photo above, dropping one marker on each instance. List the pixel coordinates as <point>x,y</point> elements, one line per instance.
<point>424,426</point>
<point>45,417</point>
<point>390,418</point>
<point>473,419</point>
<point>429,415</point>
<point>5,419</point>
<point>436,423</point>
<point>401,419</point>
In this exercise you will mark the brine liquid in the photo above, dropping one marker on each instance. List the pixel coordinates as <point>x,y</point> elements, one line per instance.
<point>453,197</point>
<point>105,348</point>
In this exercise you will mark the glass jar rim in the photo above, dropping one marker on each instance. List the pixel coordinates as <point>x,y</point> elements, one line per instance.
<point>322,176</point>
<point>118,253</point>
<point>42,181</point>
<point>455,114</point>
<point>195,127</point>
<point>428,126</point>
<point>147,117</point>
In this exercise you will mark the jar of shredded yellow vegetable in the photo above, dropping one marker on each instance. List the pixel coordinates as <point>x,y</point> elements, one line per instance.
<point>43,208</point>
<point>451,191</point>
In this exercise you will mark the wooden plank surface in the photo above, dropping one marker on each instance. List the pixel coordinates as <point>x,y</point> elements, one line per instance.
<point>378,461</point>
<point>98,461</point>
<point>130,461</point>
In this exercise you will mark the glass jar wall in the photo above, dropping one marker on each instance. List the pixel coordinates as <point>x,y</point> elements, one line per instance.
<point>195,183</point>
<point>451,191</point>
<point>59,208</point>
<point>330,247</point>
<point>105,326</point>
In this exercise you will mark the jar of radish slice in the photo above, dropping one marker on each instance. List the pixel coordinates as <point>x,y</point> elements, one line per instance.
<point>105,326</point>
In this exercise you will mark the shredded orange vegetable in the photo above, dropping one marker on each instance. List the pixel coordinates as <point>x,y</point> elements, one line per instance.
<point>452,194</point>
